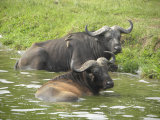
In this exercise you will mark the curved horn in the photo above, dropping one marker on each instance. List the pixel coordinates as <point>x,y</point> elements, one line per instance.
<point>113,57</point>
<point>88,64</point>
<point>102,61</point>
<point>125,30</point>
<point>98,32</point>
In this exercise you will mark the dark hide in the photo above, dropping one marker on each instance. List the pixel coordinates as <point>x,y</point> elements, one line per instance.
<point>54,55</point>
<point>70,86</point>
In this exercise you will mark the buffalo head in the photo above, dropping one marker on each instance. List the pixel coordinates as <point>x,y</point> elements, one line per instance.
<point>97,71</point>
<point>112,36</point>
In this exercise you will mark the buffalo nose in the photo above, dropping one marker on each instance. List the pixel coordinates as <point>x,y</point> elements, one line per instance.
<point>110,84</point>
<point>118,48</point>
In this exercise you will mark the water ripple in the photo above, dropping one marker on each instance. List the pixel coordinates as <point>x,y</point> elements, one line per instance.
<point>33,86</point>
<point>4,91</point>
<point>40,113</point>
<point>127,115</point>
<point>47,79</point>
<point>151,115</point>
<point>76,105</point>
<point>140,107</point>
<point>34,101</point>
<point>85,115</point>
<point>18,113</point>
<point>3,71</point>
<point>26,110</point>
<point>21,52</point>
<point>119,107</point>
<point>108,91</point>
<point>95,108</point>
<point>103,106</point>
<point>143,81</point>
<point>5,81</point>
<point>153,98</point>
<point>3,88</point>
<point>25,73</point>
<point>29,86</point>
<point>147,118</point>
<point>2,112</point>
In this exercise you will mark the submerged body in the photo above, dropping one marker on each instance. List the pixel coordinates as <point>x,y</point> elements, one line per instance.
<point>89,79</point>
<point>70,86</point>
<point>56,55</point>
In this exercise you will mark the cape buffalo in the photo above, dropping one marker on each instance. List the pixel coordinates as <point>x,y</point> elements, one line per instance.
<point>56,55</point>
<point>89,79</point>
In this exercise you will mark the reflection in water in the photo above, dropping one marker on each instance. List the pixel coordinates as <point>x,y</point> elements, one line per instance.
<point>3,88</point>
<point>143,81</point>
<point>26,110</point>
<point>127,115</point>
<point>148,118</point>
<point>107,92</point>
<point>85,115</point>
<point>131,97</point>
<point>5,81</point>
<point>3,71</point>
<point>140,107</point>
<point>34,101</point>
<point>153,98</point>
<point>25,73</point>
<point>4,91</point>
<point>119,107</point>
<point>29,86</point>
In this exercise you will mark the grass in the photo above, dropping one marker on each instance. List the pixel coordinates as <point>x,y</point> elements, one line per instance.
<point>24,22</point>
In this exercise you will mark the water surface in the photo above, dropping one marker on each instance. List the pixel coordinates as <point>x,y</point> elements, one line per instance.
<point>131,98</point>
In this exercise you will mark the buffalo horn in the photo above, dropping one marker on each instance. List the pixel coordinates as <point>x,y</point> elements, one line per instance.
<point>125,30</point>
<point>88,64</point>
<point>98,32</point>
<point>102,61</point>
<point>113,57</point>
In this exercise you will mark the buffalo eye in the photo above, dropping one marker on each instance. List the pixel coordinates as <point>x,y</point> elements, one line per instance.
<point>97,73</point>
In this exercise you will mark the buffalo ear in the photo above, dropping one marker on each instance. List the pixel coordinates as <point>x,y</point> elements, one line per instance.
<point>91,76</point>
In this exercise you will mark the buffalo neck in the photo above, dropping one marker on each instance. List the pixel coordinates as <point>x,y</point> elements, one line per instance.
<point>81,79</point>
<point>96,45</point>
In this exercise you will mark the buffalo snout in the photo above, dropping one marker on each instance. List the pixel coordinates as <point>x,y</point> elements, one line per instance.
<point>108,84</point>
<point>118,49</point>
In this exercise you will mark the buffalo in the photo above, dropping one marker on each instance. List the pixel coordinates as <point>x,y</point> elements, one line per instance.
<point>56,55</point>
<point>89,79</point>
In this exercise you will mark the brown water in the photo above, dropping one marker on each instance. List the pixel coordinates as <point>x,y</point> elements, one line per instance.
<point>132,98</point>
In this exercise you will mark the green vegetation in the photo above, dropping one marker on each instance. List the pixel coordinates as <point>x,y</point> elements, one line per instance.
<point>24,22</point>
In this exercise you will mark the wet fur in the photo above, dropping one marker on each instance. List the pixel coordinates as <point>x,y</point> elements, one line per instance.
<point>67,87</point>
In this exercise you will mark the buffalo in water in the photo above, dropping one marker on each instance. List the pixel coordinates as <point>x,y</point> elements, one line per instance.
<point>89,79</point>
<point>56,55</point>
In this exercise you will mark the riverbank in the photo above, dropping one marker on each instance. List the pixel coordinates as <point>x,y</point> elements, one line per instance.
<point>25,22</point>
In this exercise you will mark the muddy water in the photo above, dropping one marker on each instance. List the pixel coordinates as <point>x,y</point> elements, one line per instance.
<point>132,98</point>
